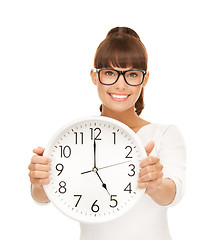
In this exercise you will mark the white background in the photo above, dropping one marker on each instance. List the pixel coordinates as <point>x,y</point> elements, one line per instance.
<point>46,53</point>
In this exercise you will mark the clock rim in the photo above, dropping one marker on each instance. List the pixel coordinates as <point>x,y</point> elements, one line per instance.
<point>92,118</point>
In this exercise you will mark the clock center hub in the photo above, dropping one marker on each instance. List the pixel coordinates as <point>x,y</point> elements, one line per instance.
<point>95,170</point>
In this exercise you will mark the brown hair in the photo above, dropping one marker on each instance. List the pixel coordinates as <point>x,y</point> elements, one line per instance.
<point>123,48</point>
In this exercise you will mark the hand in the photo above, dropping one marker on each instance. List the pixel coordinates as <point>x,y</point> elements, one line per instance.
<point>39,168</point>
<point>150,176</point>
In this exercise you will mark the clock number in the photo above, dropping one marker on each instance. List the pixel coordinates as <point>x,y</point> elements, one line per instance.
<point>78,199</point>
<point>128,188</point>
<point>65,151</point>
<point>97,134</point>
<point>95,207</point>
<point>132,170</point>
<point>59,167</point>
<point>129,152</point>
<point>62,188</point>
<point>76,137</point>
<point>114,137</point>
<point>113,200</point>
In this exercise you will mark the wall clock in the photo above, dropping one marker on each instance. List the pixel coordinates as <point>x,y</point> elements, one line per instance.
<point>94,169</point>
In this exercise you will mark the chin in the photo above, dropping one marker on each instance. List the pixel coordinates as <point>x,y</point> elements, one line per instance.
<point>117,109</point>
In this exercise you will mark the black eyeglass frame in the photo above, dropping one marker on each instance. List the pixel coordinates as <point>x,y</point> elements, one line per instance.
<point>98,70</point>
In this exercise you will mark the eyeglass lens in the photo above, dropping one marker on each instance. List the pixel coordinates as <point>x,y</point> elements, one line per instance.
<point>133,77</point>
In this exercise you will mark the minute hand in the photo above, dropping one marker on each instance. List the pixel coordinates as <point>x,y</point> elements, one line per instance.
<point>94,146</point>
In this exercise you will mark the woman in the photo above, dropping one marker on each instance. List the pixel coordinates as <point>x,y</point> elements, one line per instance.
<point>120,76</point>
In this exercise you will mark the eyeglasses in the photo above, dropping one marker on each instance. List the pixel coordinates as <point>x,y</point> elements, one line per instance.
<point>110,76</point>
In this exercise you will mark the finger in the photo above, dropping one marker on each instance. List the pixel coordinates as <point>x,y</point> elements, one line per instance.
<point>142,185</point>
<point>40,160</point>
<point>151,184</point>
<point>151,176</point>
<point>149,147</point>
<point>36,181</point>
<point>154,184</point>
<point>38,174</point>
<point>39,167</point>
<point>39,151</point>
<point>150,168</point>
<point>149,161</point>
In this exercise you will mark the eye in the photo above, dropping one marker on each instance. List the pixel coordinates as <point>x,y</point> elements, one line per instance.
<point>110,73</point>
<point>132,74</point>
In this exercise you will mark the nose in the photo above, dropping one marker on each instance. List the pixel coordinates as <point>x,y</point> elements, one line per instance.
<point>120,84</point>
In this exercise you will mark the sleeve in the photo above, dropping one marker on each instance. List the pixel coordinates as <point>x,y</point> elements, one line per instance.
<point>172,154</point>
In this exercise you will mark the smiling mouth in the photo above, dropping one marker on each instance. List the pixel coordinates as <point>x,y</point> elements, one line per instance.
<point>120,97</point>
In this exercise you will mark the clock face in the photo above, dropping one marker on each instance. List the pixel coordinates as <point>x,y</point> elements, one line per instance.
<point>94,169</point>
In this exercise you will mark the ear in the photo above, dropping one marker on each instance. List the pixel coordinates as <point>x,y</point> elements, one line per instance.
<point>145,79</point>
<point>93,76</point>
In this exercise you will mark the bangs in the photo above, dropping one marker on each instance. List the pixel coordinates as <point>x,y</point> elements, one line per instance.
<point>121,51</point>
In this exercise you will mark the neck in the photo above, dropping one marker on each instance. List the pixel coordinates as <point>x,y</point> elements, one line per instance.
<point>128,117</point>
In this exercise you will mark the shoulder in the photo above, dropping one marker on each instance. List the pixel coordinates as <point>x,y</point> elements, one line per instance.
<point>164,129</point>
<point>161,133</point>
<point>157,128</point>
<point>169,137</point>
<point>169,130</point>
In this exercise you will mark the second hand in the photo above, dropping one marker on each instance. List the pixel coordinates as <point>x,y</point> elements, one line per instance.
<point>107,166</point>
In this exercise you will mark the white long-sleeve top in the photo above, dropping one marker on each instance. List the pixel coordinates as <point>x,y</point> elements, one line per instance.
<point>147,219</point>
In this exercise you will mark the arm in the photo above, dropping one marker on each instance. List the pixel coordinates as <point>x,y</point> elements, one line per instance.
<point>163,175</point>
<point>38,194</point>
<point>161,190</point>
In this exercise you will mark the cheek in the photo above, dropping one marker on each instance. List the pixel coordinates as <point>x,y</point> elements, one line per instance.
<point>136,93</point>
<point>102,91</point>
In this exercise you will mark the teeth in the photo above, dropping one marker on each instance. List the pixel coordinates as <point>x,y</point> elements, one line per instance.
<point>119,96</point>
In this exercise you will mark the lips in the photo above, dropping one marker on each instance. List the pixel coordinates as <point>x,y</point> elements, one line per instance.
<point>119,94</point>
<point>119,97</point>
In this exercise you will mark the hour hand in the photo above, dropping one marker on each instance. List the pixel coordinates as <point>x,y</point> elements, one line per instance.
<point>87,172</point>
<point>103,184</point>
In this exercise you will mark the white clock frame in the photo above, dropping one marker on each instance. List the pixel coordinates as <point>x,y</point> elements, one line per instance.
<point>56,189</point>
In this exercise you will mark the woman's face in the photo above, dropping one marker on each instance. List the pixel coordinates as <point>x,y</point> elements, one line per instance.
<point>119,88</point>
